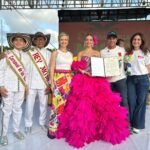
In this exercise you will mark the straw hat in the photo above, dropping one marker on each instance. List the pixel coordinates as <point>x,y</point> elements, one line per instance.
<point>40,34</point>
<point>26,37</point>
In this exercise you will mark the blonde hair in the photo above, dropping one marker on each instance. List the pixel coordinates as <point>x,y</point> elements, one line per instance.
<point>63,34</point>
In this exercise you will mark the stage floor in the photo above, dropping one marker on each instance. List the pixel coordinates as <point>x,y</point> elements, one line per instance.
<point>39,141</point>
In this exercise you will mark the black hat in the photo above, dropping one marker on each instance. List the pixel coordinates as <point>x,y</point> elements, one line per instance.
<point>111,34</point>
<point>26,37</point>
<point>40,34</point>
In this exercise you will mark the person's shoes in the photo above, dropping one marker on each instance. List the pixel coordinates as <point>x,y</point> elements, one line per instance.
<point>51,135</point>
<point>44,128</point>
<point>131,130</point>
<point>4,141</point>
<point>19,135</point>
<point>28,130</point>
<point>136,130</point>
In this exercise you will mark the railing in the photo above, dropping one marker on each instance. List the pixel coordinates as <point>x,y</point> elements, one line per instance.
<point>73,4</point>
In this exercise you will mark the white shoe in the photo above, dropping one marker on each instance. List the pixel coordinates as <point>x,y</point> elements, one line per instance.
<point>19,135</point>
<point>28,130</point>
<point>4,141</point>
<point>136,130</point>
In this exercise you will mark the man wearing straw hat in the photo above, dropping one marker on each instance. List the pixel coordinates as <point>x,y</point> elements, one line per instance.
<point>13,83</point>
<point>38,80</point>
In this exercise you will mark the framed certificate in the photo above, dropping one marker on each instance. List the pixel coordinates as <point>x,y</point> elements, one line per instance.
<point>105,67</point>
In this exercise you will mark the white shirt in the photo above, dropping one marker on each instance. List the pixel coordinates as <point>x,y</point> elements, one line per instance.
<point>139,62</point>
<point>64,60</point>
<point>8,78</point>
<point>116,52</point>
<point>34,79</point>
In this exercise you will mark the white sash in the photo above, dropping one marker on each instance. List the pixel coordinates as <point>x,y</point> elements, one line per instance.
<point>17,66</point>
<point>40,64</point>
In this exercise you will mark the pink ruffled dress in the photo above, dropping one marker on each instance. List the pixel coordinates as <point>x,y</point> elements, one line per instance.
<point>92,111</point>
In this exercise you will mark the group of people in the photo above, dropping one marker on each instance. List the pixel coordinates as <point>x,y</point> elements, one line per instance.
<point>24,75</point>
<point>84,108</point>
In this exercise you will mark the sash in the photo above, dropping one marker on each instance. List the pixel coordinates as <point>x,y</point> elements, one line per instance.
<point>42,67</point>
<point>40,64</point>
<point>17,66</point>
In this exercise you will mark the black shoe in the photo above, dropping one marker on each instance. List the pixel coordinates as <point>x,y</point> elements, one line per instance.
<point>51,136</point>
<point>130,129</point>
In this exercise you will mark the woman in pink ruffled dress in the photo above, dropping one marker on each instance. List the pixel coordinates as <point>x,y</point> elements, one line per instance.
<point>92,111</point>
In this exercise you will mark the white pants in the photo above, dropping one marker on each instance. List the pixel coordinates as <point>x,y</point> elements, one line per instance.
<point>30,105</point>
<point>12,104</point>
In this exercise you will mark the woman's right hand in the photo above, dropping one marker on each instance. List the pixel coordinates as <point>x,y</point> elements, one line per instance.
<point>85,72</point>
<point>3,91</point>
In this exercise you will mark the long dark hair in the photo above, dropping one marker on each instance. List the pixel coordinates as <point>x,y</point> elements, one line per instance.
<point>142,46</point>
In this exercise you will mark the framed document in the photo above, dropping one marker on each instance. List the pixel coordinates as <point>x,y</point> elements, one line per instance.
<point>105,67</point>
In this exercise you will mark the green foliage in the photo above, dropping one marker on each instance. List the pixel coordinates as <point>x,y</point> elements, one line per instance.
<point>5,48</point>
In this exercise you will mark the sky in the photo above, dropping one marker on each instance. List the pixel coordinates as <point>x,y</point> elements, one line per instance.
<point>30,21</point>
